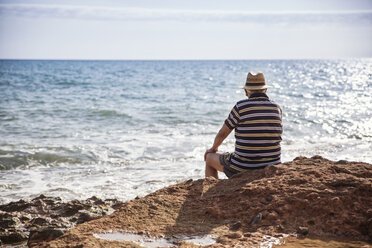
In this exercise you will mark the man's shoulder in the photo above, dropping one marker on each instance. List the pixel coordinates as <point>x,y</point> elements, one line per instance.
<point>242,102</point>
<point>274,103</point>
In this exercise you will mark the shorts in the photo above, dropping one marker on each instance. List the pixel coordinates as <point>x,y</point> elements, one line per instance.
<point>225,162</point>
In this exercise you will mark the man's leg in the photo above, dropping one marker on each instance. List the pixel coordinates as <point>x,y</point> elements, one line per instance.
<point>212,165</point>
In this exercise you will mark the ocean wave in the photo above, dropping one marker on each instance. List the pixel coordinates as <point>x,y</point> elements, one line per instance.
<point>110,113</point>
<point>18,159</point>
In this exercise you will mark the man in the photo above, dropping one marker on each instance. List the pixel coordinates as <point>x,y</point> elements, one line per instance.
<point>258,127</point>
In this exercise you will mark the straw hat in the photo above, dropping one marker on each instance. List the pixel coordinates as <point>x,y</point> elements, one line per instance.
<point>255,82</point>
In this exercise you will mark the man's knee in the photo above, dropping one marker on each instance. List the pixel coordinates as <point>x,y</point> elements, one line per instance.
<point>208,157</point>
<point>213,160</point>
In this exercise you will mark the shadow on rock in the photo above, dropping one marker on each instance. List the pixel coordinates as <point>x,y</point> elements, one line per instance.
<point>308,196</point>
<point>228,209</point>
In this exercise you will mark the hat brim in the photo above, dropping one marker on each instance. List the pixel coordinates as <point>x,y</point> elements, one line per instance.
<point>255,87</point>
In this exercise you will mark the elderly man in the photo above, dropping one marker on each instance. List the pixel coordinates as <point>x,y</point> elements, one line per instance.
<point>258,127</point>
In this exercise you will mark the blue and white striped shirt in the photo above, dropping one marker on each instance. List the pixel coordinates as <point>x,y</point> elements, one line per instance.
<point>258,128</point>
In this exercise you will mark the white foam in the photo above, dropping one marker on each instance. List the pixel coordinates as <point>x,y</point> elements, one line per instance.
<point>148,241</point>
<point>270,241</point>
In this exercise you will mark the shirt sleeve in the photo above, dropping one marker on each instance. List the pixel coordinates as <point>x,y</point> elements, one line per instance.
<point>233,118</point>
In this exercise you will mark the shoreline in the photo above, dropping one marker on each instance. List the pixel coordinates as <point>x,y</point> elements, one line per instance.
<point>307,197</point>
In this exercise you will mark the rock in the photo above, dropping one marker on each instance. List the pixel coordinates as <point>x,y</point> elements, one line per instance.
<point>269,198</point>
<point>369,226</point>
<point>280,227</point>
<point>341,162</point>
<point>15,206</point>
<point>39,221</point>
<point>13,237</point>
<point>41,196</point>
<point>25,217</point>
<point>236,226</point>
<point>366,228</point>
<point>4,214</point>
<point>85,216</point>
<point>96,200</point>
<point>299,158</point>
<point>9,222</point>
<point>369,213</point>
<point>311,222</point>
<point>317,157</point>
<point>153,207</point>
<point>256,219</point>
<point>234,235</point>
<point>213,211</point>
<point>62,223</point>
<point>71,209</point>
<point>302,230</point>
<point>325,199</point>
<point>40,206</point>
<point>117,204</point>
<point>271,216</point>
<point>50,214</point>
<point>223,240</point>
<point>41,235</point>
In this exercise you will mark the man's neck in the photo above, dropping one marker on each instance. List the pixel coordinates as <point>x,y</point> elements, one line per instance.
<point>253,95</point>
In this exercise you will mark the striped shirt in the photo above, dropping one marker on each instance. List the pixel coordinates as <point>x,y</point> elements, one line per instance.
<point>258,128</point>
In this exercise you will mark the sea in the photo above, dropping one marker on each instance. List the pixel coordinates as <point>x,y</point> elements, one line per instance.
<point>122,129</point>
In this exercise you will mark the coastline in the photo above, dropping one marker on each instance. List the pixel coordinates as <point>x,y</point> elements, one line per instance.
<point>305,197</point>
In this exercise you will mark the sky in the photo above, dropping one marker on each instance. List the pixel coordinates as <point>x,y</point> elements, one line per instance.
<point>192,29</point>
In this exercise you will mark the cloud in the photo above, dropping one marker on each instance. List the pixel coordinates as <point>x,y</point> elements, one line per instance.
<point>144,14</point>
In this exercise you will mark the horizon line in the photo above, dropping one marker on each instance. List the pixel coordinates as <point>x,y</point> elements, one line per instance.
<point>192,59</point>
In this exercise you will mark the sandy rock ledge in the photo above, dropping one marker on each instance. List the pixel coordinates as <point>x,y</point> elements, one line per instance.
<point>307,197</point>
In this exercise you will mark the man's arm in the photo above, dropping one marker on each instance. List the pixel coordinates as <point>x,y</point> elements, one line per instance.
<point>220,137</point>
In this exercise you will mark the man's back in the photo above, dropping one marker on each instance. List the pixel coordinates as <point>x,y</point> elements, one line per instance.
<point>258,128</point>
<point>257,122</point>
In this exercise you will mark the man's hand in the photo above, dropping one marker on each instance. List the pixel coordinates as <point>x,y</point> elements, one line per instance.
<point>210,150</point>
<point>220,137</point>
